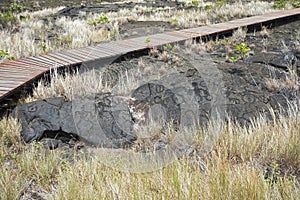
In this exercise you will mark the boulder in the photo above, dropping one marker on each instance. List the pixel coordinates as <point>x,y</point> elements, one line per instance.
<point>240,90</point>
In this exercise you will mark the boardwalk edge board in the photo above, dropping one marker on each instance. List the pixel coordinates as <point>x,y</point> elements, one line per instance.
<point>39,65</point>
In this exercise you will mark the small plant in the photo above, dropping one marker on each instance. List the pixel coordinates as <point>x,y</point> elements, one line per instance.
<point>279,4</point>
<point>221,3</point>
<point>231,58</point>
<point>44,48</point>
<point>4,55</point>
<point>9,16</point>
<point>15,7</point>
<point>167,47</point>
<point>194,3</point>
<point>208,7</point>
<point>175,21</point>
<point>65,40</point>
<point>148,40</point>
<point>295,4</point>
<point>242,49</point>
<point>240,52</point>
<point>24,17</point>
<point>103,19</point>
<point>273,173</point>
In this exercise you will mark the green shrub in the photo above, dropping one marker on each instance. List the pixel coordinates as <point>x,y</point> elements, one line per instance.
<point>9,16</point>
<point>280,4</point>
<point>15,8</point>
<point>242,49</point>
<point>148,40</point>
<point>101,20</point>
<point>221,3</point>
<point>194,3</point>
<point>295,4</point>
<point>4,55</point>
<point>174,21</point>
<point>7,19</point>
<point>208,7</point>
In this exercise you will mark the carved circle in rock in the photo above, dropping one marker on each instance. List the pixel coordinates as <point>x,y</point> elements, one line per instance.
<point>146,123</point>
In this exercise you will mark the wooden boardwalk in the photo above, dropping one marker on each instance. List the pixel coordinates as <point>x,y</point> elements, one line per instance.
<point>15,74</point>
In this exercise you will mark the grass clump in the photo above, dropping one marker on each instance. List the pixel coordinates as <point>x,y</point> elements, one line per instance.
<point>8,17</point>
<point>4,55</point>
<point>194,3</point>
<point>26,33</point>
<point>221,3</point>
<point>208,7</point>
<point>284,3</point>
<point>295,3</point>
<point>10,140</point>
<point>256,162</point>
<point>280,4</point>
<point>242,50</point>
<point>259,161</point>
<point>103,19</point>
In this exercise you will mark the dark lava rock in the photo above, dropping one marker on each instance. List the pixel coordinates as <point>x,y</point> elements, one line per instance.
<point>279,60</point>
<point>194,85</point>
<point>53,118</point>
<point>106,120</point>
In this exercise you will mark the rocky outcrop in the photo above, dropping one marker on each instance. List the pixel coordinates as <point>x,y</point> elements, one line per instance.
<point>240,90</point>
<point>53,118</point>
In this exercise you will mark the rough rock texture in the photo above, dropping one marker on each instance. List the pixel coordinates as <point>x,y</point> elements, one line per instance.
<point>238,89</point>
<point>286,60</point>
<point>53,118</point>
<point>189,79</point>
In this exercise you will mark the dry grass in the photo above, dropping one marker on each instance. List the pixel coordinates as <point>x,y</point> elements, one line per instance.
<point>31,35</point>
<point>188,18</point>
<point>92,82</point>
<point>78,84</point>
<point>288,83</point>
<point>259,162</point>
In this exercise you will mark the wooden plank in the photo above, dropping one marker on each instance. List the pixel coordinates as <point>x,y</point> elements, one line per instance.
<point>64,55</point>
<point>20,64</point>
<point>15,73</point>
<point>2,92</point>
<point>57,59</point>
<point>18,68</point>
<point>72,54</point>
<point>35,63</point>
<point>9,69</point>
<point>111,48</point>
<point>102,53</point>
<point>18,74</point>
<point>13,78</point>
<point>7,88</point>
<point>46,61</point>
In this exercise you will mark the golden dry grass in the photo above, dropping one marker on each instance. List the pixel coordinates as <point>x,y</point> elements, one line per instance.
<point>261,161</point>
<point>258,162</point>
<point>30,35</point>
